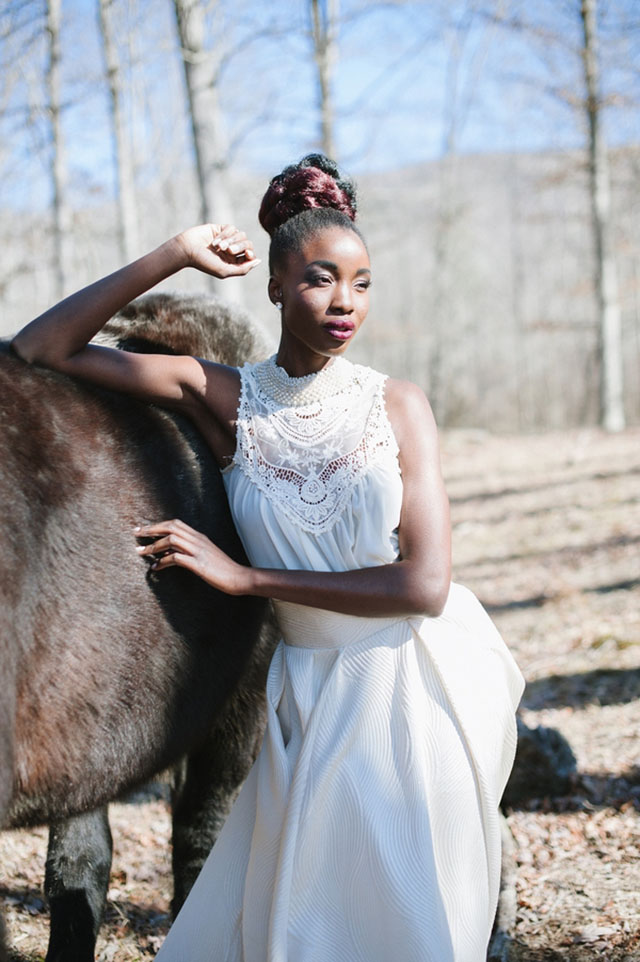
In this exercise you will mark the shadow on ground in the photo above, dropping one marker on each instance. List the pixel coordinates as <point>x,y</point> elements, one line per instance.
<point>602,686</point>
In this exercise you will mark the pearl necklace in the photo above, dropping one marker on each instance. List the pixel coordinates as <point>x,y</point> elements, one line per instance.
<point>280,387</point>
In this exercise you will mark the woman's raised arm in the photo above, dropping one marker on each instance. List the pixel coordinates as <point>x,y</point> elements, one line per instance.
<point>59,337</point>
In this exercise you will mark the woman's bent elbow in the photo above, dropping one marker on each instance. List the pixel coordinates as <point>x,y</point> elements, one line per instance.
<point>27,350</point>
<point>431,598</point>
<point>21,350</point>
<point>32,352</point>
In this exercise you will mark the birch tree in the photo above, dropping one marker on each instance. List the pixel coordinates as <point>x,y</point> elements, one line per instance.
<point>466,38</point>
<point>566,42</point>
<point>202,74</point>
<point>122,152</point>
<point>324,34</point>
<point>606,279</point>
<point>61,211</point>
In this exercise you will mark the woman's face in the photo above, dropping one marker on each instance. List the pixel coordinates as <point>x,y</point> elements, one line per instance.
<point>324,291</point>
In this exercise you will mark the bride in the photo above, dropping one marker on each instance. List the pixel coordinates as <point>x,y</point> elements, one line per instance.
<point>367,830</point>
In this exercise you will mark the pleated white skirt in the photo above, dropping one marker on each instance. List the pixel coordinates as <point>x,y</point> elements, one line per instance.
<point>367,830</point>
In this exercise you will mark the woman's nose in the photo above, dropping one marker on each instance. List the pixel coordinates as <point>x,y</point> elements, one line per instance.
<point>342,298</point>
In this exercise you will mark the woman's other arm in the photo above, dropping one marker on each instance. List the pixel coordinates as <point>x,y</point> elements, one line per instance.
<point>418,583</point>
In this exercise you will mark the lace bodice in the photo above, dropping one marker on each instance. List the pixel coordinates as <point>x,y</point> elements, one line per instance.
<point>310,446</point>
<point>305,441</point>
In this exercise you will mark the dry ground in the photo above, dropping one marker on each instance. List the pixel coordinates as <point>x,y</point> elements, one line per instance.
<point>547,533</point>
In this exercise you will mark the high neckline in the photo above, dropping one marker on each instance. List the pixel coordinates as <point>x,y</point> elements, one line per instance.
<point>307,389</point>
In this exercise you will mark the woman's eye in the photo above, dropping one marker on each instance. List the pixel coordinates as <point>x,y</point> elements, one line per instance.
<point>363,285</point>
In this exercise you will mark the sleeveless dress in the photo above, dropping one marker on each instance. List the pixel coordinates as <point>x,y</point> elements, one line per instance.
<point>367,830</point>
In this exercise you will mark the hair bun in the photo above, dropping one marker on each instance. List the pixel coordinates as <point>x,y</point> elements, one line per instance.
<point>313,182</point>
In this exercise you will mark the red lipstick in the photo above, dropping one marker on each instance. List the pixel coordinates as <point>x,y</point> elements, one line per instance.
<point>342,330</point>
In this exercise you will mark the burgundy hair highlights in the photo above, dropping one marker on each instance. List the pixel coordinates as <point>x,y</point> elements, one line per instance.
<point>306,197</point>
<point>299,189</point>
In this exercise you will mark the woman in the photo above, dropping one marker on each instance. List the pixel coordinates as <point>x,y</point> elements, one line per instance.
<point>367,829</point>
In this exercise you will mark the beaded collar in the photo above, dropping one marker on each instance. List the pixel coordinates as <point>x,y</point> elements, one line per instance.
<point>308,389</point>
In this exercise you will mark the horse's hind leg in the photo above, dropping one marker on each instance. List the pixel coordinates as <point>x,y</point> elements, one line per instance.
<point>76,882</point>
<point>205,784</point>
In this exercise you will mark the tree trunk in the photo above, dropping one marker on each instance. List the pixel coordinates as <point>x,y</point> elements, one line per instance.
<point>324,28</point>
<point>606,279</point>
<point>61,212</point>
<point>123,162</point>
<point>200,71</point>
<point>447,221</point>
<point>209,143</point>
<point>520,363</point>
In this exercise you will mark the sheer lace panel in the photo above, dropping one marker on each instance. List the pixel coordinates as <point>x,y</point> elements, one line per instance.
<point>305,442</point>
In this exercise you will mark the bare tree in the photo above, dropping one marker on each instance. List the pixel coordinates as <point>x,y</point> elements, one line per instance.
<point>123,160</point>
<point>606,279</point>
<point>61,211</point>
<point>324,34</point>
<point>466,36</point>
<point>201,71</point>
<point>570,57</point>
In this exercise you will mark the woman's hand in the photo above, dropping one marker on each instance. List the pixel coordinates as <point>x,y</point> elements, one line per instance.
<point>176,544</point>
<point>223,251</point>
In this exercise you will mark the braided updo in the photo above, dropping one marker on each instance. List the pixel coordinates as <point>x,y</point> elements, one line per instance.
<point>306,197</point>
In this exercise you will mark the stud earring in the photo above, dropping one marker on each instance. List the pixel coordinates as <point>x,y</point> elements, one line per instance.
<point>279,305</point>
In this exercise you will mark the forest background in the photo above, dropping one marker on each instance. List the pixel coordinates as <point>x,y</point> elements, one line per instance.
<point>496,145</point>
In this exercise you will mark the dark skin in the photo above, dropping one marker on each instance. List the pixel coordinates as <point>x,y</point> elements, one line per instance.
<point>324,292</point>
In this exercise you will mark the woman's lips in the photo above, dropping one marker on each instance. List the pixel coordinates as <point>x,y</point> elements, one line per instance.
<point>341,330</point>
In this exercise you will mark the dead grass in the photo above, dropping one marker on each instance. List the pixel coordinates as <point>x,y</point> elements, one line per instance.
<point>547,533</point>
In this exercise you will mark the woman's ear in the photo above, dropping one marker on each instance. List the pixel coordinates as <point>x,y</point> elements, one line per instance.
<point>275,291</point>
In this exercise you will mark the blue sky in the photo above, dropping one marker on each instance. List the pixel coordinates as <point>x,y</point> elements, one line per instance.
<point>398,88</point>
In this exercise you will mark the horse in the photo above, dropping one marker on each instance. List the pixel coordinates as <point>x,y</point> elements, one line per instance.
<point>112,672</point>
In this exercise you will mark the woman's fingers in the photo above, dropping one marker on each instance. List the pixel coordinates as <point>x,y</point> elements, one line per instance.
<point>175,543</point>
<point>232,252</point>
<point>169,543</point>
<point>242,267</point>
<point>155,528</point>
<point>235,245</point>
<point>176,559</point>
<point>235,267</point>
<point>228,237</point>
<point>226,230</point>
<point>168,536</point>
<point>228,234</point>
<point>219,249</point>
<point>231,239</point>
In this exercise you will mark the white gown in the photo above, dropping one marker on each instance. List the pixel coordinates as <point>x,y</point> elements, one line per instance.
<point>367,830</point>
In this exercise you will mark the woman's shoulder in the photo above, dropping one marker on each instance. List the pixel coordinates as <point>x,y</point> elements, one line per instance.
<point>408,407</point>
<point>406,396</point>
<point>397,390</point>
